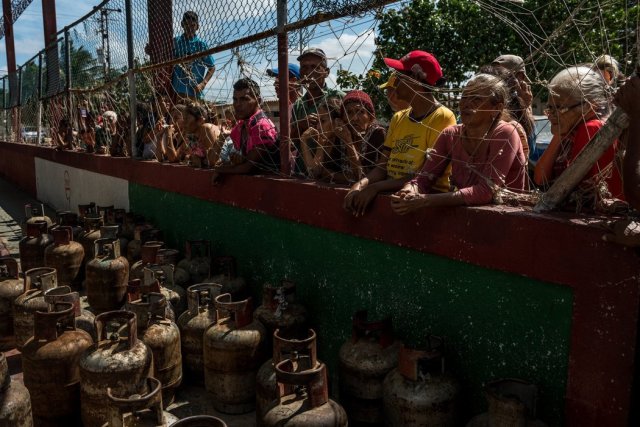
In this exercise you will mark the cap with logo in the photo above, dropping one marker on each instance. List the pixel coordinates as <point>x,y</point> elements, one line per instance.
<point>420,64</point>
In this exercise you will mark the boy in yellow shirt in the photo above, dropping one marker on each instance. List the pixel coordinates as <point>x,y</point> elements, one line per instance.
<point>412,132</point>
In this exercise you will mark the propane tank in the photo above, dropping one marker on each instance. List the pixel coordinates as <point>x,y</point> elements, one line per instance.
<point>113,232</point>
<point>163,338</point>
<point>15,402</point>
<point>280,311</point>
<point>139,411</point>
<point>419,392</point>
<point>33,245</point>
<point>143,233</point>
<point>224,272</point>
<point>163,274</point>
<point>118,360</point>
<point>148,255</point>
<point>87,210</point>
<point>200,421</point>
<point>91,233</point>
<point>512,403</point>
<point>197,262</point>
<point>36,282</point>
<point>137,290</point>
<point>70,219</point>
<point>193,323</point>
<point>11,287</point>
<point>33,214</point>
<point>50,366</point>
<point>84,319</point>
<point>303,351</point>
<point>303,399</point>
<point>106,276</point>
<point>364,362</point>
<point>65,256</point>
<point>107,213</point>
<point>233,352</point>
<point>167,256</point>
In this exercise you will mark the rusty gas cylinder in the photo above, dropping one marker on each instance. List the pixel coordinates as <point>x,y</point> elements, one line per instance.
<point>33,214</point>
<point>113,232</point>
<point>65,256</point>
<point>419,392</point>
<point>107,213</point>
<point>512,403</point>
<point>163,338</point>
<point>200,421</point>
<point>137,289</point>
<point>233,352</point>
<point>70,219</point>
<point>107,276</point>
<point>201,314</point>
<point>302,351</point>
<point>224,272</point>
<point>143,233</point>
<point>303,399</point>
<point>139,411</point>
<point>33,245</point>
<point>36,282</point>
<point>84,319</point>
<point>88,209</point>
<point>167,256</point>
<point>163,274</point>
<point>50,366</point>
<point>364,362</point>
<point>11,287</point>
<point>118,360</point>
<point>197,261</point>
<point>148,256</point>
<point>89,235</point>
<point>15,402</point>
<point>128,223</point>
<point>279,309</point>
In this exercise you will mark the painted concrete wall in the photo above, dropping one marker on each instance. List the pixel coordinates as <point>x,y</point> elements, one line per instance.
<point>64,187</point>
<point>496,324</point>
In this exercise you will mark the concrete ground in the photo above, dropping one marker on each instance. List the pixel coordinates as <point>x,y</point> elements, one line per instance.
<point>190,400</point>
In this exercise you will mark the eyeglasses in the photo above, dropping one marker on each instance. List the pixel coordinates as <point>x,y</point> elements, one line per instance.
<point>552,109</point>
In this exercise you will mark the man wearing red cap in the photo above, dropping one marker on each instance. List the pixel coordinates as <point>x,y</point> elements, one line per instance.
<point>411,132</point>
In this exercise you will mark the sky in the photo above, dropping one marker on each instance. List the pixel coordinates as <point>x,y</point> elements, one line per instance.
<point>349,43</point>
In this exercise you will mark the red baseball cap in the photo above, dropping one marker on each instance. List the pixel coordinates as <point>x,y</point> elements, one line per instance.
<point>417,62</point>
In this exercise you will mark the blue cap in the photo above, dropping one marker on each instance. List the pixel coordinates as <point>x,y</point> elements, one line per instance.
<point>294,71</point>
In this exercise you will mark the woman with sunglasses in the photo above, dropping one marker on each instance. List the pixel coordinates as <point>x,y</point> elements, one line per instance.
<point>577,107</point>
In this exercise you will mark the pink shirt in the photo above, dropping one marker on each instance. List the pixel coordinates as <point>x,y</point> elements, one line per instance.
<point>259,131</point>
<point>501,162</point>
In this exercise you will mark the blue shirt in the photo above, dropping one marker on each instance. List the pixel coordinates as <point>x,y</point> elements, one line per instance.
<point>186,76</point>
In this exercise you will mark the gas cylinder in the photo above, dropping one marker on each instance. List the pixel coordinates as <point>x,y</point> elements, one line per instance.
<point>118,360</point>
<point>91,233</point>
<point>163,338</point>
<point>11,287</point>
<point>224,272</point>
<point>148,255</point>
<point>143,233</point>
<point>84,319</point>
<point>50,366</point>
<point>136,290</point>
<point>107,276</point>
<point>36,282</point>
<point>33,214</point>
<point>197,262</point>
<point>87,210</point>
<point>139,411</point>
<point>167,256</point>
<point>200,421</point>
<point>15,402</point>
<point>33,245</point>
<point>419,392</point>
<point>279,309</point>
<point>512,403</point>
<point>233,352</point>
<point>65,256</point>
<point>163,274</point>
<point>364,362</point>
<point>193,323</point>
<point>107,214</point>
<point>70,219</point>
<point>113,232</point>
<point>303,399</point>
<point>303,351</point>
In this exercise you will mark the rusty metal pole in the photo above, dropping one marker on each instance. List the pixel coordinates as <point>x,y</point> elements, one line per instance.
<point>7,15</point>
<point>133,101</point>
<point>67,74</point>
<point>39,101</point>
<point>51,46</point>
<point>283,96</point>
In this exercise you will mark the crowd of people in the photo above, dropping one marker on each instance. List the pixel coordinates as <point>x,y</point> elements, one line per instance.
<point>428,156</point>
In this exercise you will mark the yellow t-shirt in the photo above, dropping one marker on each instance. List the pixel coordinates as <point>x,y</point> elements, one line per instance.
<point>409,141</point>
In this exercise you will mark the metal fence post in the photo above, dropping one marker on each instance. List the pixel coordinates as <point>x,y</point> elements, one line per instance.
<point>67,74</point>
<point>39,101</point>
<point>283,96</point>
<point>18,130</point>
<point>131,77</point>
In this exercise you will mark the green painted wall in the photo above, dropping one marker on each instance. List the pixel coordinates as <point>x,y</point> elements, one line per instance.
<point>496,324</point>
